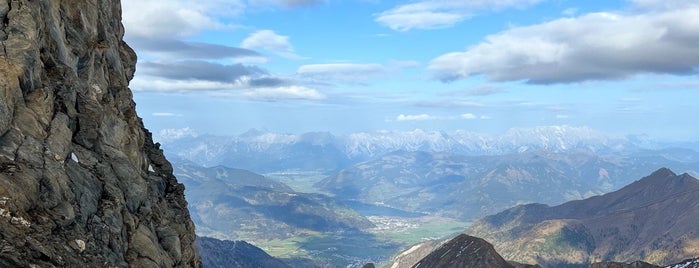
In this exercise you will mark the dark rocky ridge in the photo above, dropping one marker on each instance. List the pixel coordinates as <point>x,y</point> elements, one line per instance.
<point>81,182</point>
<point>466,251</point>
<point>234,254</point>
<point>636,264</point>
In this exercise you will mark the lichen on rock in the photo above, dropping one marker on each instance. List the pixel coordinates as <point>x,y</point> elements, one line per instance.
<point>64,96</point>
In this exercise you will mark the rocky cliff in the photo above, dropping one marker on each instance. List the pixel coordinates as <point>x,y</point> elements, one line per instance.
<point>81,182</point>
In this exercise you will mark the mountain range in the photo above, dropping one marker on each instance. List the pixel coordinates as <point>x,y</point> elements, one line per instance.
<point>233,204</point>
<point>262,151</point>
<point>653,219</point>
<point>470,187</point>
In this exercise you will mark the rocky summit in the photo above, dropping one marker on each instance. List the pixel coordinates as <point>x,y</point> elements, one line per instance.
<point>466,251</point>
<point>81,182</point>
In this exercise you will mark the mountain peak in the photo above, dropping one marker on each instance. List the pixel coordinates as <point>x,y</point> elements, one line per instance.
<point>663,181</point>
<point>464,251</point>
<point>663,173</point>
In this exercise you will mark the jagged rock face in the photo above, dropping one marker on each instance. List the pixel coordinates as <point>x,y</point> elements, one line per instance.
<point>81,182</point>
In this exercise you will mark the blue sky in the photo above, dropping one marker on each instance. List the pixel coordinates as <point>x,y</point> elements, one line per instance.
<point>293,66</point>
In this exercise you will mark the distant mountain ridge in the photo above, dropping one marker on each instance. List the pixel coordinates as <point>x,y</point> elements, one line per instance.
<point>469,187</point>
<point>262,151</point>
<point>653,219</point>
<point>234,204</point>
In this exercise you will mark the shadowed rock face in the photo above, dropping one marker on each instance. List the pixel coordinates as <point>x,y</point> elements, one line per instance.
<point>464,251</point>
<point>234,254</point>
<point>81,182</point>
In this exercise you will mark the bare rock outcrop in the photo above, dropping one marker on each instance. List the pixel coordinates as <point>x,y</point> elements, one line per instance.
<point>81,182</point>
<point>466,251</point>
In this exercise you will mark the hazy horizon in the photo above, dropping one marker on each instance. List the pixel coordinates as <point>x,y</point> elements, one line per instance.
<point>625,67</point>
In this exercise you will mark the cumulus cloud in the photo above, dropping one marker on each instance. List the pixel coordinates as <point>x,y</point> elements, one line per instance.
<point>157,18</point>
<point>157,30</point>
<point>596,46</point>
<point>284,93</point>
<point>271,41</point>
<point>433,14</point>
<point>414,117</point>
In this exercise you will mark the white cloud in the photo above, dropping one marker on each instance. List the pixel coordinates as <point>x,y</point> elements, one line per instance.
<point>401,20</point>
<point>416,117</point>
<point>663,4</point>
<point>269,40</point>
<point>245,86</point>
<point>596,46</point>
<point>285,93</point>
<point>426,117</point>
<point>345,72</point>
<point>157,18</point>
<point>433,14</point>
<point>469,116</point>
<point>569,12</point>
<point>149,83</point>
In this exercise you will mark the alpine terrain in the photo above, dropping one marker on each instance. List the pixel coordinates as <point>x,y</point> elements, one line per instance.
<point>653,219</point>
